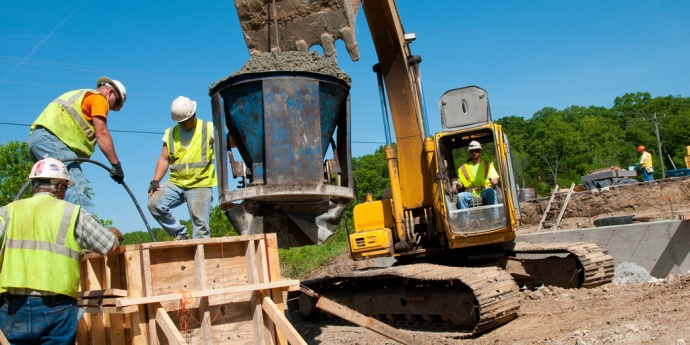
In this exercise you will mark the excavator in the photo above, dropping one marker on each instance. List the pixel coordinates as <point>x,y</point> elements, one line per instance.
<point>455,268</point>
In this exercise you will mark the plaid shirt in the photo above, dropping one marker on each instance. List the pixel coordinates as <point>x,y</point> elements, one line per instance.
<point>88,233</point>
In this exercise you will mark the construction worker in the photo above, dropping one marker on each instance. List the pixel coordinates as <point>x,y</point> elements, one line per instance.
<point>476,179</point>
<point>42,238</point>
<point>72,125</point>
<point>645,164</point>
<point>188,151</point>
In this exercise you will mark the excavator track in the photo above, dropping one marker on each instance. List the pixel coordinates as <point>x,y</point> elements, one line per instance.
<point>594,265</point>
<point>425,296</point>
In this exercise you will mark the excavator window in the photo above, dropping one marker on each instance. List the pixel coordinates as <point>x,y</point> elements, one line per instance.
<point>474,209</point>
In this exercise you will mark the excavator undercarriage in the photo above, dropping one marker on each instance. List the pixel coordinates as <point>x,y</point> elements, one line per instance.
<point>465,300</point>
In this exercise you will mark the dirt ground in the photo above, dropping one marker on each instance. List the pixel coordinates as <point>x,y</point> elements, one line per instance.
<point>656,312</point>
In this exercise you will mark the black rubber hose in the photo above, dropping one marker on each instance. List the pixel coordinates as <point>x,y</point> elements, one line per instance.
<point>153,238</point>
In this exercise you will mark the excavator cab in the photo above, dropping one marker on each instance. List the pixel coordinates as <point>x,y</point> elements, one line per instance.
<point>473,205</point>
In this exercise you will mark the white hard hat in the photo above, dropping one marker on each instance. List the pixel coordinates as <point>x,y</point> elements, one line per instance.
<point>182,108</point>
<point>119,88</point>
<point>50,168</point>
<point>474,145</point>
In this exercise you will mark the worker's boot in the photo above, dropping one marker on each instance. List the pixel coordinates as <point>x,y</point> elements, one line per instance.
<point>182,235</point>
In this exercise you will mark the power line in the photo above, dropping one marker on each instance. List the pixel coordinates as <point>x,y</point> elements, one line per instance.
<point>160,133</point>
<point>111,130</point>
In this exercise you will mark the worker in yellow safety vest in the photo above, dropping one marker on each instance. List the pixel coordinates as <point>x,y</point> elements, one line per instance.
<point>476,179</point>
<point>41,239</point>
<point>645,164</point>
<point>71,126</point>
<point>188,152</point>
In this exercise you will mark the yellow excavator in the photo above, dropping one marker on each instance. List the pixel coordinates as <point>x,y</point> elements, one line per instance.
<point>456,262</point>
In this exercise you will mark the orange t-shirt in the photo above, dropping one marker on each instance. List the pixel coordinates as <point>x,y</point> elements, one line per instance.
<point>94,104</point>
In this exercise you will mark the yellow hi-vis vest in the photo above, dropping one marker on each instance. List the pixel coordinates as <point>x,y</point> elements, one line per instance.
<point>648,162</point>
<point>192,166</point>
<point>64,118</point>
<point>40,251</point>
<point>475,183</point>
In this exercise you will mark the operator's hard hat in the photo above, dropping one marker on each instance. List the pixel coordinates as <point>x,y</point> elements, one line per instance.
<point>119,89</point>
<point>182,108</point>
<point>51,169</point>
<point>640,149</point>
<point>474,145</point>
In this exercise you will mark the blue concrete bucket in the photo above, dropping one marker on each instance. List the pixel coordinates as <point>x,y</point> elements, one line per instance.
<point>282,124</point>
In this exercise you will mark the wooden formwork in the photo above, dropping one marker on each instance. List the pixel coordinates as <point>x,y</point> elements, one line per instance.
<point>210,291</point>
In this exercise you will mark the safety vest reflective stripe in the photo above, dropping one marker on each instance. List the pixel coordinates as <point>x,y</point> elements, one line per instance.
<point>204,148</point>
<point>69,106</point>
<point>54,248</point>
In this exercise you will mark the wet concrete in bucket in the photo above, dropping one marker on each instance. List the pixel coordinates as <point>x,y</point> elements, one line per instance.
<point>290,61</point>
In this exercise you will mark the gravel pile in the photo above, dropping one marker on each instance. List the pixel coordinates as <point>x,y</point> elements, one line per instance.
<point>630,273</point>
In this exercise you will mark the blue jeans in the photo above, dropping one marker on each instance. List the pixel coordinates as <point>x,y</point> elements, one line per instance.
<point>488,195</point>
<point>647,176</point>
<point>170,196</point>
<point>48,320</point>
<point>43,143</point>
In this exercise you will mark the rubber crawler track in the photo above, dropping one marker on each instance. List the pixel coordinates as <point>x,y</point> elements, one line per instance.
<point>497,297</point>
<point>595,259</point>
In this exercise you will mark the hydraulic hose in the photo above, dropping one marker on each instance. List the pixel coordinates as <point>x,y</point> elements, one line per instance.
<point>153,238</point>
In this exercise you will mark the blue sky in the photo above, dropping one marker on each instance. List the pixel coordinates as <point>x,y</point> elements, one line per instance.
<point>527,54</point>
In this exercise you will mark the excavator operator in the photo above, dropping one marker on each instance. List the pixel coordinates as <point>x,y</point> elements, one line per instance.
<point>477,177</point>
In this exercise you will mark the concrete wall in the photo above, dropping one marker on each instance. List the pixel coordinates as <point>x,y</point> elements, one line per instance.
<point>661,247</point>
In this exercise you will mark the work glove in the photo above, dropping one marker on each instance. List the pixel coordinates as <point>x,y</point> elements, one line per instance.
<point>117,233</point>
<point>153,187</point>
<point>116,173</point>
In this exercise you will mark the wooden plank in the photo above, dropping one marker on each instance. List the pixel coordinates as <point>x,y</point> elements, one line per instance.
<point>359,319</point>
<point>292,284</point>
<point>114,285</point>
<point>273,263</point>
<point>252,278</point>
<point>168,327</point>
<point>278,318</point>
<point>264,277</point>
<point>135,290</point>
<point>148,291</point>
<point>103,293</point>
<point>204,241</point>
<point>96,276</point>
<point>204,313</point>
<point>119,310</point>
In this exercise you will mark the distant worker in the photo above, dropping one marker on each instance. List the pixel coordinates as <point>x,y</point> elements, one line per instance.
<point>645,164</point>
<point>71,126</point>
<point>42,238</point>
<point>188,151</point>
<point>477,177</point>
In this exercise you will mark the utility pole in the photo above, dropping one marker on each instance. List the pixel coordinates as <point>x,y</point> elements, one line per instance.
<point>658,141</point>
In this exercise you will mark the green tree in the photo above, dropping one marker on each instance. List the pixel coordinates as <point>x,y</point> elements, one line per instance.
<point>15,165</point>
<point>370,173</point>
<point>220,225</point>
